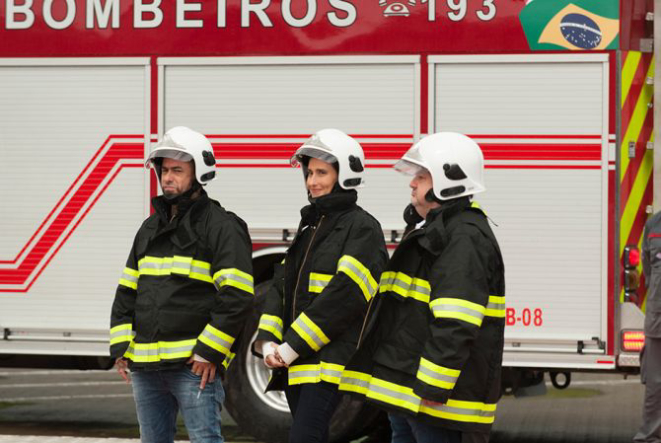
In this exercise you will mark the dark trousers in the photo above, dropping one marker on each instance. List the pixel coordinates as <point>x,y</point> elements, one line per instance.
<point>312,405</point>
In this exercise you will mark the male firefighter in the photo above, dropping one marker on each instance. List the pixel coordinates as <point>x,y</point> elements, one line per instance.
<point>183,296</point>
<point>650,431</point>
<point>432,353</point>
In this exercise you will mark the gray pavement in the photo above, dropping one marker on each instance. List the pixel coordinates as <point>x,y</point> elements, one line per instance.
<point>96,406</point>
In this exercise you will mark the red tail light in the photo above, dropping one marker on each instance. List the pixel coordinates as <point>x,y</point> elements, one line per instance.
<point>631,257</point>
<point>633,341</point>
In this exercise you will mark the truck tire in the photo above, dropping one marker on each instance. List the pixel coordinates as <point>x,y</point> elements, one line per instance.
<point>266,416</point>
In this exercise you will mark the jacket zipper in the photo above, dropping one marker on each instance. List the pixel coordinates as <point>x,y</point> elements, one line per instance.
<point>367,316</point>
<point>300,270</point>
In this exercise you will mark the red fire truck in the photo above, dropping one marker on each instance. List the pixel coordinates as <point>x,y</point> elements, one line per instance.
<point>558,95</point>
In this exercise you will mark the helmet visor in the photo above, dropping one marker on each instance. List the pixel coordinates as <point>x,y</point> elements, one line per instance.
<point>408,167</point>
<point>314,152</point>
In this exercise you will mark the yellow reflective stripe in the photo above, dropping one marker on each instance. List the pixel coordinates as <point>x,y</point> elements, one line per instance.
<point>436,375</point>
<point>314,373</point>
<point>628,72</point>
<point>354,381</point>
<point>228,360</point>
<point>162,350</point>
<point>310,332</point>
<point>129,278</point>
<point>216,339</point>
<point>272,324</point>
<point>163,266</point>
<point>359,274</point>
<point>496,307</point>
<point>318,282</point>
<point>463,411</point>
<point>456,308</point>
<point>128,284</point>
<point>636,122</point>
<point>406,286</point>
<point>403,397</point>
<point>236,278</point>
<point>393,394</point>
<point>121,333</point>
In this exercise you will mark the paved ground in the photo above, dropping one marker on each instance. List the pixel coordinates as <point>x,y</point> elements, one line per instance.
<point>94,406</point>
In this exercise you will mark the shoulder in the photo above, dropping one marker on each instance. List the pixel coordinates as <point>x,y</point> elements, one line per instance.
<point>654,222</point>
<point>362,219</point>
<point>149,224</point>
<point>219,217</point>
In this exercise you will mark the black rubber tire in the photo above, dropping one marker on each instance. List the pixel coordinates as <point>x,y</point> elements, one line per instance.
<point>352,419</point>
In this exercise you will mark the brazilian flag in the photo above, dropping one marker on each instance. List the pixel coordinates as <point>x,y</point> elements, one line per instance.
<point>577,25</point>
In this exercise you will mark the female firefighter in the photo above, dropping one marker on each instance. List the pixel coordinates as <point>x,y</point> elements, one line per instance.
<point>314,312</point>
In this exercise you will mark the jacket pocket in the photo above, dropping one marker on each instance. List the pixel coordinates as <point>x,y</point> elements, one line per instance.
<point>181,325</point>
<point>399,359</point>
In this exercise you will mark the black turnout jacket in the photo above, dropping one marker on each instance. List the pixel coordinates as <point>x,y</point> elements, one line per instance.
<point>436,328</point>
<point>186,288</point>
<point>322,289</point>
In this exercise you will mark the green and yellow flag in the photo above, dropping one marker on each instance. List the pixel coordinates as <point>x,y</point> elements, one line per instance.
<point>578,25</point>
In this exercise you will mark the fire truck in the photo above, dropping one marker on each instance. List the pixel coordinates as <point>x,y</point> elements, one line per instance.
<point>558,95</point>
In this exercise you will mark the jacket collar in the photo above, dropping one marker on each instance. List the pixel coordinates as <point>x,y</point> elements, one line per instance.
<point>187,212</point>
<point>329,204</point>
<point>434,235</point>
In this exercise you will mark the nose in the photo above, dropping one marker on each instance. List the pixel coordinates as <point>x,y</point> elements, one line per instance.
<point>413,183</point>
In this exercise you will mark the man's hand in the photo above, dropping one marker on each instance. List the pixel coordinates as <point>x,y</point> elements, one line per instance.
<point>122,365</point>
<point>274,360</point>
<point>206,370</point>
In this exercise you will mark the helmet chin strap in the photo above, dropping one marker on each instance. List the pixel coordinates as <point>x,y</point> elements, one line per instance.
<point>176,199</point>
<point>431,197</point>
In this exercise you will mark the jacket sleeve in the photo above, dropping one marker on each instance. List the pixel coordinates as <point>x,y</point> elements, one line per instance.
<point>272,319</point>
<point>231,270</point>
<point>345,297</point>
<point>121,317</point>
<point>458,304</point>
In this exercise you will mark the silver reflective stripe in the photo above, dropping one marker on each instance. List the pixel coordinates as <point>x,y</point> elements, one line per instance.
<point>273,324</point>
<point>496,306</point>
<point>301,374</point>
<point>233,277</point>
<point>224,343</point>
<point>354,382</point>
<point>460,309</point>
<point>129,277</point>
<point>156,351</point>
<point>394,394</point>
<point>152,265</point>
<point>360,274</point>
<point>462,411</point>
<point>331,372</point>
<point>421,289</point>
<point>435,375</point>
<point>181,264</point>
<point>122,333</point>
<point>319,283</point>
<point>310,333</point>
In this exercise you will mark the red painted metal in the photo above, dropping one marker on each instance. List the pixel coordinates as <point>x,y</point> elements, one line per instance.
<point>363,30</point>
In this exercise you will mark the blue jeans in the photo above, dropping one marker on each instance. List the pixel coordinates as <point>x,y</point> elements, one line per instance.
<point>312,405</point>
<point>409,430</point>
<point>160,394</point>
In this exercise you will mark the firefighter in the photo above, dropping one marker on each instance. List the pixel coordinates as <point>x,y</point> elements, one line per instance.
<point>432,351</point>
<point>313,313</point>
<point>183,297</point>
<point>650,431</point>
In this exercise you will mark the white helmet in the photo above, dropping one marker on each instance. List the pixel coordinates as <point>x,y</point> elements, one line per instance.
<point>184,144</point>
<point>455,162</point>
<point>334,146</point>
